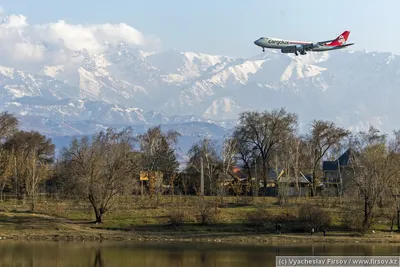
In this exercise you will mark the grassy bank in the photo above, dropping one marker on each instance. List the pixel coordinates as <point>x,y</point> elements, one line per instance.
<point>180,219</point>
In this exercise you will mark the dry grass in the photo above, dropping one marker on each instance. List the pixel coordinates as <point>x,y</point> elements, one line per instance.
<point>137,217</point>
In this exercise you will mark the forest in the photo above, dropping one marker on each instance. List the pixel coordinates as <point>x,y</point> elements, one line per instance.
<point>264,147</point>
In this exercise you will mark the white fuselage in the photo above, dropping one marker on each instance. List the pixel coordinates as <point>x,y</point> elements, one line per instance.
<point>275,43</point>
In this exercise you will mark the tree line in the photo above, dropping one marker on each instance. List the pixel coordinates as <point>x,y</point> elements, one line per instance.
<point>97,169</point>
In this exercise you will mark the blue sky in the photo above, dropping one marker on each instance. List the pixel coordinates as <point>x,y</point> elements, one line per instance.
<point>230,27</point>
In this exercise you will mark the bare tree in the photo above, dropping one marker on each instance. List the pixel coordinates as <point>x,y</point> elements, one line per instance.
<point>183,181</point>
<point>228,154</point>
<point>206,150</point>
<point>100,169</point>
<point>283,186</point>
<point>171,183</point>
<point>33,154</point>
<point>392,194</point>
<point>262,132</point>
<point>391,207</point>
<point>284,161</point>
<point>298,158</point>
<point>6,168</point>
<point>324,135</point>
<point>158,185</point>
<point>374,167</point>
<point>248,158</point>
<point>8,125</point>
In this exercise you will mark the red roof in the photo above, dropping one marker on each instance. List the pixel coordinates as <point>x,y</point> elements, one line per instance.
<point>236,169</point>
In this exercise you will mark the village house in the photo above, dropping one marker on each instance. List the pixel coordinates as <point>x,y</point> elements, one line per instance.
<point>279,182</point>
<point>336,174</point>
<point>333,182</point>
<point>292,186</point>
<point>235,177</point>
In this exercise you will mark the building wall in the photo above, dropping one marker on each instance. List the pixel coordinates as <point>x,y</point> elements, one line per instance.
<point>304,191</point>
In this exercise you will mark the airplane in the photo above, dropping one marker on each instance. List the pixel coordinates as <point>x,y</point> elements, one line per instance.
<point>288,46</point>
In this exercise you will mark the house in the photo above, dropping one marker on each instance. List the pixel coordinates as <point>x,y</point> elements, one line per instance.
<point>232,182</point>
<point>272,185</point>
<point>237,179</point>
<point>279,183</point>
<point>336,174</point>
<point>292,186</point>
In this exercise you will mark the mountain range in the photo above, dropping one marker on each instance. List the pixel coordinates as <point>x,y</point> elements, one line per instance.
<point>199,94</point>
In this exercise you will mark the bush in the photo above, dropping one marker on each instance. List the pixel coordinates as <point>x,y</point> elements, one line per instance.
<point>177,218</point>
<point>314,217</point>
<point>207,213</point>
<point>259,218</point>
<point>352,219</point>
<point>285,217</point>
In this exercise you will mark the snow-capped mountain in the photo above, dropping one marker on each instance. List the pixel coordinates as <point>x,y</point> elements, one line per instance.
<point>200,94</point>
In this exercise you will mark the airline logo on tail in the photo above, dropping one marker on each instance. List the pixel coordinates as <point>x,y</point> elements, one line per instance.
<point>341,39</point>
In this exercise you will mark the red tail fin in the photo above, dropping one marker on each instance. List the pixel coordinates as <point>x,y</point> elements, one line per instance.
<point>341,39</point>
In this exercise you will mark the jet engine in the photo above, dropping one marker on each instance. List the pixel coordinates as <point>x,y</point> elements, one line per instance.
<point>286,50</point>
<point>314,45</point>
<point>300,49</point>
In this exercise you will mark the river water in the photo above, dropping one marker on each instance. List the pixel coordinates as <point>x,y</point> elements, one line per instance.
<point>76,254</point>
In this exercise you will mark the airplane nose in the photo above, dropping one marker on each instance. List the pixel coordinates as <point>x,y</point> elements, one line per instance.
<point>257,42</point>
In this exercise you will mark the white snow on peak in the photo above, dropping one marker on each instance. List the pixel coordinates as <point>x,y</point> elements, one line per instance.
<point>225,106</point>
<point>124,85</point>
<point>52,71</point>
<point>7,72</point>
<point>299,70</point>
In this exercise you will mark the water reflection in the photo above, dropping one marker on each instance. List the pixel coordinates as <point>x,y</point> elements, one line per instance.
<point>98,260</point>
<point>45,254</point>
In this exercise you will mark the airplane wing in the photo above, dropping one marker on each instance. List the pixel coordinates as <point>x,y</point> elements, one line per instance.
<point>325,42</point>
<point>340,46</point>
<point>310,46</point>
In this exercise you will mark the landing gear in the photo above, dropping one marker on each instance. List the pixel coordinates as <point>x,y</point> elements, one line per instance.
<point>263,49</point>
<point>301,53</point>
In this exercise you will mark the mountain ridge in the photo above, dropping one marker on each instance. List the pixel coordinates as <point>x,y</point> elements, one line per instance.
<point>127,86</point>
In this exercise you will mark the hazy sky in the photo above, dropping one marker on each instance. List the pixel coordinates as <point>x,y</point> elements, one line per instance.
<point>229,27</point>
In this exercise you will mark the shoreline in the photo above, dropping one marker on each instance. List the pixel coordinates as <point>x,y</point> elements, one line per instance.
<point>143,225</point>
<point>253,239</point>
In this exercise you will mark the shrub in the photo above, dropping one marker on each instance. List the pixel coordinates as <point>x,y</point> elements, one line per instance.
<point>352,219</point>
<point>177,218</point>
<point>207,213</point>
<point>285,217</point>
<point>314,217</point>
<point>259,218</point>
